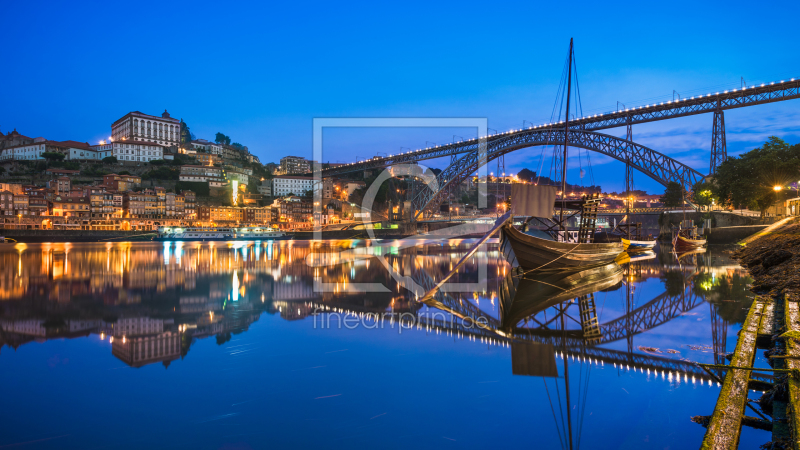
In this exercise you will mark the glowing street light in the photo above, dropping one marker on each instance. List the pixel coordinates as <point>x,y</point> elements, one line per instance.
<point>777,188</point>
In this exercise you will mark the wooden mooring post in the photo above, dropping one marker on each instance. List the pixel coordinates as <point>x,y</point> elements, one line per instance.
<point>791,316</point>
<point>724,427</point>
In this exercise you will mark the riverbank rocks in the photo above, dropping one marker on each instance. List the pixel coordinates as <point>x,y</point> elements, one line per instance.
<point>774,261</point>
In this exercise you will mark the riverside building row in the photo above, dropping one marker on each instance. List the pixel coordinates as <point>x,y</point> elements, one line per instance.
<point>105,206</point>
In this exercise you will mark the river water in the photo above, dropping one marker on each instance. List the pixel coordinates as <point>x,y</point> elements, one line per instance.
<point>296,344</point>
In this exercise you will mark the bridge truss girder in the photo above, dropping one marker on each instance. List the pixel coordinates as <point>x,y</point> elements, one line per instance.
<point>719,146</point>
<point>654,164</point>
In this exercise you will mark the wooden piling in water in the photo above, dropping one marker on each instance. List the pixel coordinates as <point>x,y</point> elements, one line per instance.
<point>791,319</point>
<point>725,425</point>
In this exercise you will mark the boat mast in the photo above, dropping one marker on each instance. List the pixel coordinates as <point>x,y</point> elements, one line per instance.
<point>566,133</point>
<point>628,193</point>
<point>566,375</point>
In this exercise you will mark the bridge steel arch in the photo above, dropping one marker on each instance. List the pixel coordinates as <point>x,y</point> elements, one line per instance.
<point>656,165</point>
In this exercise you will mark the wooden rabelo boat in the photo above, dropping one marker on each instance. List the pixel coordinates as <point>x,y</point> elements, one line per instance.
<point>552,247</point>
<point>685,239</point>
<point>536,253</point>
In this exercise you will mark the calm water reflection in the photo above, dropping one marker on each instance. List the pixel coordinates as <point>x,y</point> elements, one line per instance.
<point>256,345</point>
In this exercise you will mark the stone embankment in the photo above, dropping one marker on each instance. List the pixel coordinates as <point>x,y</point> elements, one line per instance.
<point>37,236</point>
<point>773,260</point>
<point>726,227</point>
<point>773,323</point>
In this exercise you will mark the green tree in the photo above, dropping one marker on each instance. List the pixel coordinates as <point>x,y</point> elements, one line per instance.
<point>526,175</point>
<point>186,134</point>
<point>753,179</point>
<point>162,173</point>
<point>110,160</point>
<point>53,156</point>
<point>702,193</point>
<point>673,195</point>
<point>222,139</point>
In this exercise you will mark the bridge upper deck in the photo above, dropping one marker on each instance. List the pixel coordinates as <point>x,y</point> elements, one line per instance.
<point>701,104</point>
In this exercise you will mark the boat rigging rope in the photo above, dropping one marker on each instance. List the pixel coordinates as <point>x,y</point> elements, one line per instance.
<point>547,390</point>
<point>547,263</point>
<point>560,409</point>
<point>583,405</point>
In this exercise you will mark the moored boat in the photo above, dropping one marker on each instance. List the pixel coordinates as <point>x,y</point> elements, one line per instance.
<point>685,239</point>
<point>220,234</point>
<point>535,253</point>
<point>632,245</point>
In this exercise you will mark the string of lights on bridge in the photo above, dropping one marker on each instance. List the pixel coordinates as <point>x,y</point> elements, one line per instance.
<point>551,124</point>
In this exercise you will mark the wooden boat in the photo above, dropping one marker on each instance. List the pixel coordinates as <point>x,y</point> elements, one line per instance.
<point>632,245</point>
<point>625,257</point>
<point>687,255</point>
<point>534,253</point>
<point>685,239</point>
<point>523,296</point>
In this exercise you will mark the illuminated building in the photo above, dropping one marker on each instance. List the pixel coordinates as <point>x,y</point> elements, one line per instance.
<point>142,350</point>
<point>137,126</point>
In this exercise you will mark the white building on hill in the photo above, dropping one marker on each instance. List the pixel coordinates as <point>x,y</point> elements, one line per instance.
<point>138,126</point>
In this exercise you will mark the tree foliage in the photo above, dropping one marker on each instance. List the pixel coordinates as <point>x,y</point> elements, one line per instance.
<point>94,171</point>
<point>526,175</point>
<point>53,156</point>
<point>673,195</point>
<point>702,193</point>
<point>222,139</point>
<point>200,188</point>
<point>749,179</point>
<point>162,173</point>
<point>110,160</point>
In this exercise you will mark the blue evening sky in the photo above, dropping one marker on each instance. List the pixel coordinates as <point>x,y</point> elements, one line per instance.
<point>261,71</point>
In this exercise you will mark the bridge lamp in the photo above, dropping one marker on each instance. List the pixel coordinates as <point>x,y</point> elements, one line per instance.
<point>777,188</point>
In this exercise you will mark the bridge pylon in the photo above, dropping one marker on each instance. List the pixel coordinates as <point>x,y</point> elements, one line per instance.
<point>719,146</point>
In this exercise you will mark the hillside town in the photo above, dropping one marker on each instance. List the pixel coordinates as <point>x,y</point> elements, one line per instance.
<point>152,171</point>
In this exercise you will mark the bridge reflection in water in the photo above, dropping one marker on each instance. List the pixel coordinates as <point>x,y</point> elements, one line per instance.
<point>154,300</point>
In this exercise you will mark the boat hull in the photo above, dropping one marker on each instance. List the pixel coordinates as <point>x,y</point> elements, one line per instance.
<point>530,294</point>
<point>534,253</point>
<point>634,245</point>
<point>683,242</point>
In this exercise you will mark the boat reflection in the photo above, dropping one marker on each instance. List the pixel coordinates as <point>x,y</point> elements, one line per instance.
<point>524,295</point>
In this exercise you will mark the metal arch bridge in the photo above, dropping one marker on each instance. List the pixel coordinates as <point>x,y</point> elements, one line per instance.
<point>479,152</point>
<point>656,165</point>
<point>642,158</point>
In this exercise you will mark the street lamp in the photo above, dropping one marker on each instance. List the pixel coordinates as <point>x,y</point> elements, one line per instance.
<point>777,188</point>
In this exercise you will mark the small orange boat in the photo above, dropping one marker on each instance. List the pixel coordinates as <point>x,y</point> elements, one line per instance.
<point>685,239</point>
